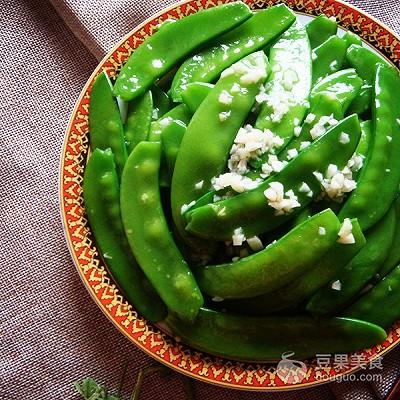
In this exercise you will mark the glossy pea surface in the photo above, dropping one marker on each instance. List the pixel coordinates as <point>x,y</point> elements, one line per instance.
<point>276,265</point>
<point>320,29</point>
<point>379,179</point>
<point>253,35</point>
<point>165,48</point>
<point>328,267</point>
<point>359,271</point>
<point>288,84</point>
<point>105,124</point>
<point>148,234</point>
<point>101,196</point>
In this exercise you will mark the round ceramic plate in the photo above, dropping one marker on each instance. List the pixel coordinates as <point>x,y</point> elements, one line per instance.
<point>93,271</point>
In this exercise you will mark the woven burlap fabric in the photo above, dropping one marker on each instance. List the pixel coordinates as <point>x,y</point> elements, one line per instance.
<point>51,332</point>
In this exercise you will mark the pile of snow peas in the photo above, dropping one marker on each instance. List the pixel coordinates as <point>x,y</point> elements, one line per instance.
<point>244,187</point>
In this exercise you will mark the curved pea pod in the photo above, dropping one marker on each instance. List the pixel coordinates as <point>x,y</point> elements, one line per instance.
<point>379,179</point>
<point>364,61</point>
<point>393,252</point>
<point>101,195</point>
<point>320,29</point>
<point>105,124</point>
<point>275,266</point>
<point>161,102</point>
<point>138,120</point>
<point>165,48</point>
<point>194,94</point>
<point>332,298</point>
<point>254,212</point>
<point>214,126</point>
<point>381,305</point>
<point>352,38</point>
<point>267,338</point>
<point>328,267</point>
<point>288,86</point>
<point>344,85</point>
<point>362,103</point>
<point>148,234</point>
<point>328,57</point>
<point>324,105</point>
<point>253,35</point>
<point>365,139</point>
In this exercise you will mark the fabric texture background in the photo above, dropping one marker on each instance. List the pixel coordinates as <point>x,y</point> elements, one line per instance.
<point>51,332</point>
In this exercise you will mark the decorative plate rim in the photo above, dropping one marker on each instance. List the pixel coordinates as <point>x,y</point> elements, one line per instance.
<point>380,349</point>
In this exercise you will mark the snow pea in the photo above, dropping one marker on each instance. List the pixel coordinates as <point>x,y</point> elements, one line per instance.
<point>101,196</point>
<point>275,266</point>
<point>148,234</point>
<point>328,267</point>
<point>165,48</point>
<point>381,305</point>
<point>288,86</point>
<point>253,35</point>
<point>195,93</point>
<point>179,114</point>
<point>267,338</point>
<point>362,103</point>
<point>214,126</point>
<point>358,272</point>
<point>382,166</point>
<point>364,61</point>
<point>323,105</point>
<point>251,211</point>
<point>344,85</point>
<point>393,257</point>
<point>161,102</point>
<point>138,119</point>
<point>351,38</point>
<point>320,29</point>
<point>365,139</point>
<point>328,58</point>
<point>105,124</point>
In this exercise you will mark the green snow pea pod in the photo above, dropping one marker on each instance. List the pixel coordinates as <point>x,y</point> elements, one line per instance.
<point>275,266</point>
<point>358,272</point>
<point>105,124</point>
<point>320,29</point>
<point>101,195</point>
<point>381,305</point>
<point>328,267</point>
<point>382,166</point>
<point>195,93</point>
<point>393,257</point>
<point>344,85</point>
<point>352,38</point>
<point>365,139</point>
<point>148,234</point>
<point>288,86</point>
<point>180,113</point>
<point>364,61</point>
<point>165,48</point>
<point>253,35</point>
<point>254,212</point>
<point>175,122</point>
<point>161,102</point>
<point>328,58</point>
<point>267,338</point>
<point>214,126</point>
<point>324,105</point>
<point>362,102</point>
<point>138,120</point>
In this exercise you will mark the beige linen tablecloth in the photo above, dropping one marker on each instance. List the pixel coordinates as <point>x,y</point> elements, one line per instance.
<point>51,332</point>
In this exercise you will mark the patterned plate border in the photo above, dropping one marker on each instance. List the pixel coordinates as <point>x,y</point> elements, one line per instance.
<point>92,270</point>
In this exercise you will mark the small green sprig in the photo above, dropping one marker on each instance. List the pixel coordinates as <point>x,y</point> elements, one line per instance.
<point>89,389</point>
